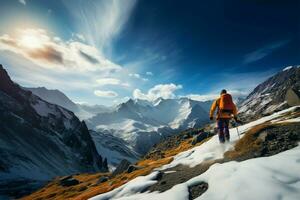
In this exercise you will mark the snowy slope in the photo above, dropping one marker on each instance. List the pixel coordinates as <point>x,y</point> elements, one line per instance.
<point>82,111</point>
<point>141,123</point>
<point>113,148</point>
<point>107,145</point>
<point>278,175</point>
<point>54,96</point>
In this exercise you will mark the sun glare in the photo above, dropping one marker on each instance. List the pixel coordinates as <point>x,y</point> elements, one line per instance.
<point>31,41</point>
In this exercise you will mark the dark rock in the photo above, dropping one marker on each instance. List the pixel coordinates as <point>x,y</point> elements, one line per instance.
<point>159,175</point>
<point>200,137</point>
<point>68,181</point>
<point>102,179</point>
<point>187,136</point>
<point>122,167</point>
<point>163,182</point>
<point>82,188</point>
<point>292,97</point>
<point>197,190</point>
<point>132,168</point>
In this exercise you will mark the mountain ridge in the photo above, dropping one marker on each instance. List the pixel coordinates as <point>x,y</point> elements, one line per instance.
<point>270,95</point>
<point>38,138</point>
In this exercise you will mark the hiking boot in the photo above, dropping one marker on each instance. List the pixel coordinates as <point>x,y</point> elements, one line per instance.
<point>221,138</point>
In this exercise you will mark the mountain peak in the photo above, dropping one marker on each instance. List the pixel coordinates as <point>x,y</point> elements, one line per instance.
<point>6,84</point>
<point>270,95</point>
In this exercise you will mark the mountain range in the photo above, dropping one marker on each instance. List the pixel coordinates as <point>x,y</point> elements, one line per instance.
<point>82,111</point>
<point>142,123</point>
<point>40,140</point>
<point>137,124</point>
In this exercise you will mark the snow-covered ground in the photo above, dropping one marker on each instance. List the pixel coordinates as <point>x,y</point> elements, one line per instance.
<point>278,177</point>
<point>212,149</point>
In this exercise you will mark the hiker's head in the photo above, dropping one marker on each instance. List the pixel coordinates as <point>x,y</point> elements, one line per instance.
<point>223,92</point>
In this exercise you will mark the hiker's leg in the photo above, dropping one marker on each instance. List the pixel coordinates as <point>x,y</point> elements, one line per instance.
<point>226,129</point>
<point>221,130</point>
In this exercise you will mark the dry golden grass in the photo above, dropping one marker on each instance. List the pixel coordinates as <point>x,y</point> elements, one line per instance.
<point>248,144</point>
<point>88,187</point>
<point>54,191</point>
<point>184,146</point>
<point>148,166</point>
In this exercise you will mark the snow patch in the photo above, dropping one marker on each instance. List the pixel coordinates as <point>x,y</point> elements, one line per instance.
<point>42,108</point>
<point>287,68</point>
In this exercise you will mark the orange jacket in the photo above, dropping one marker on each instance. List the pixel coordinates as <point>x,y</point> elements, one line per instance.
<point>220,115</point>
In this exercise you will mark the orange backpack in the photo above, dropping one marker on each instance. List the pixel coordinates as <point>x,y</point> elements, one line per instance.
<point>226,104</point>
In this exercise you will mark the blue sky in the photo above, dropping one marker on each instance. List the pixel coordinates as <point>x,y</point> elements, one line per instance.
<point>104,52</point>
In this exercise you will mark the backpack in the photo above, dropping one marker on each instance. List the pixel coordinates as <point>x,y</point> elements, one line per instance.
<point>226,104</point>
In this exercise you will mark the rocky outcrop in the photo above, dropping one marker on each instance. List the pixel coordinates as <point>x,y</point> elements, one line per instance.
<point>292,97</point>
<point>171,142</point>
<point>68,181</point>
<point>122,167</point>
<point>40,140</point>
<point>200,137</point>
<point>270,96</point>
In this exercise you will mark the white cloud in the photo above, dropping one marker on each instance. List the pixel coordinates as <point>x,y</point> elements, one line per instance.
<point>149,73</point>
<point>165,91</point>
<point>22,2</point>
<point>79,36</point>
<point>39,47</point>
<point>263,52</point>
<point>100,20</point>
<point>138,76</point>
<point>111,81</point>
<point>105,93</point>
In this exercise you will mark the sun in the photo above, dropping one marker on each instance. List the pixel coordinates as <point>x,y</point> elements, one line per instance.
<point>31,41</point>
<point>32,38</point>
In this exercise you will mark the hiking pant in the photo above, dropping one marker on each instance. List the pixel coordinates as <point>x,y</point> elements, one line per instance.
<point>223,129</point>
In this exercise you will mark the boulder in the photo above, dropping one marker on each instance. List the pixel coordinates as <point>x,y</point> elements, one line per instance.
<point>200,137</point>
<point>102,179</point>
<point>132,168</point>
<point>122,167</point>
<point>292,97</point>
<point>68,181</point>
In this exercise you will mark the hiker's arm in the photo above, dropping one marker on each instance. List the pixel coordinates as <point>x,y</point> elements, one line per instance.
<point>235,112</point>
<point>212,109</point>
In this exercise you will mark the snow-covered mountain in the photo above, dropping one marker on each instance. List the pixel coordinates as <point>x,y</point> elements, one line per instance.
<point>55,97</point>
<point>141,123</point>
<point>114,148</point>
<point>82,111</point>
<point>270,95</point>
<point>40,140</point>
<point>107,145</point>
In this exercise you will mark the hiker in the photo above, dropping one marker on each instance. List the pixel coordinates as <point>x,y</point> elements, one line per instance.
<point>226,110</point>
